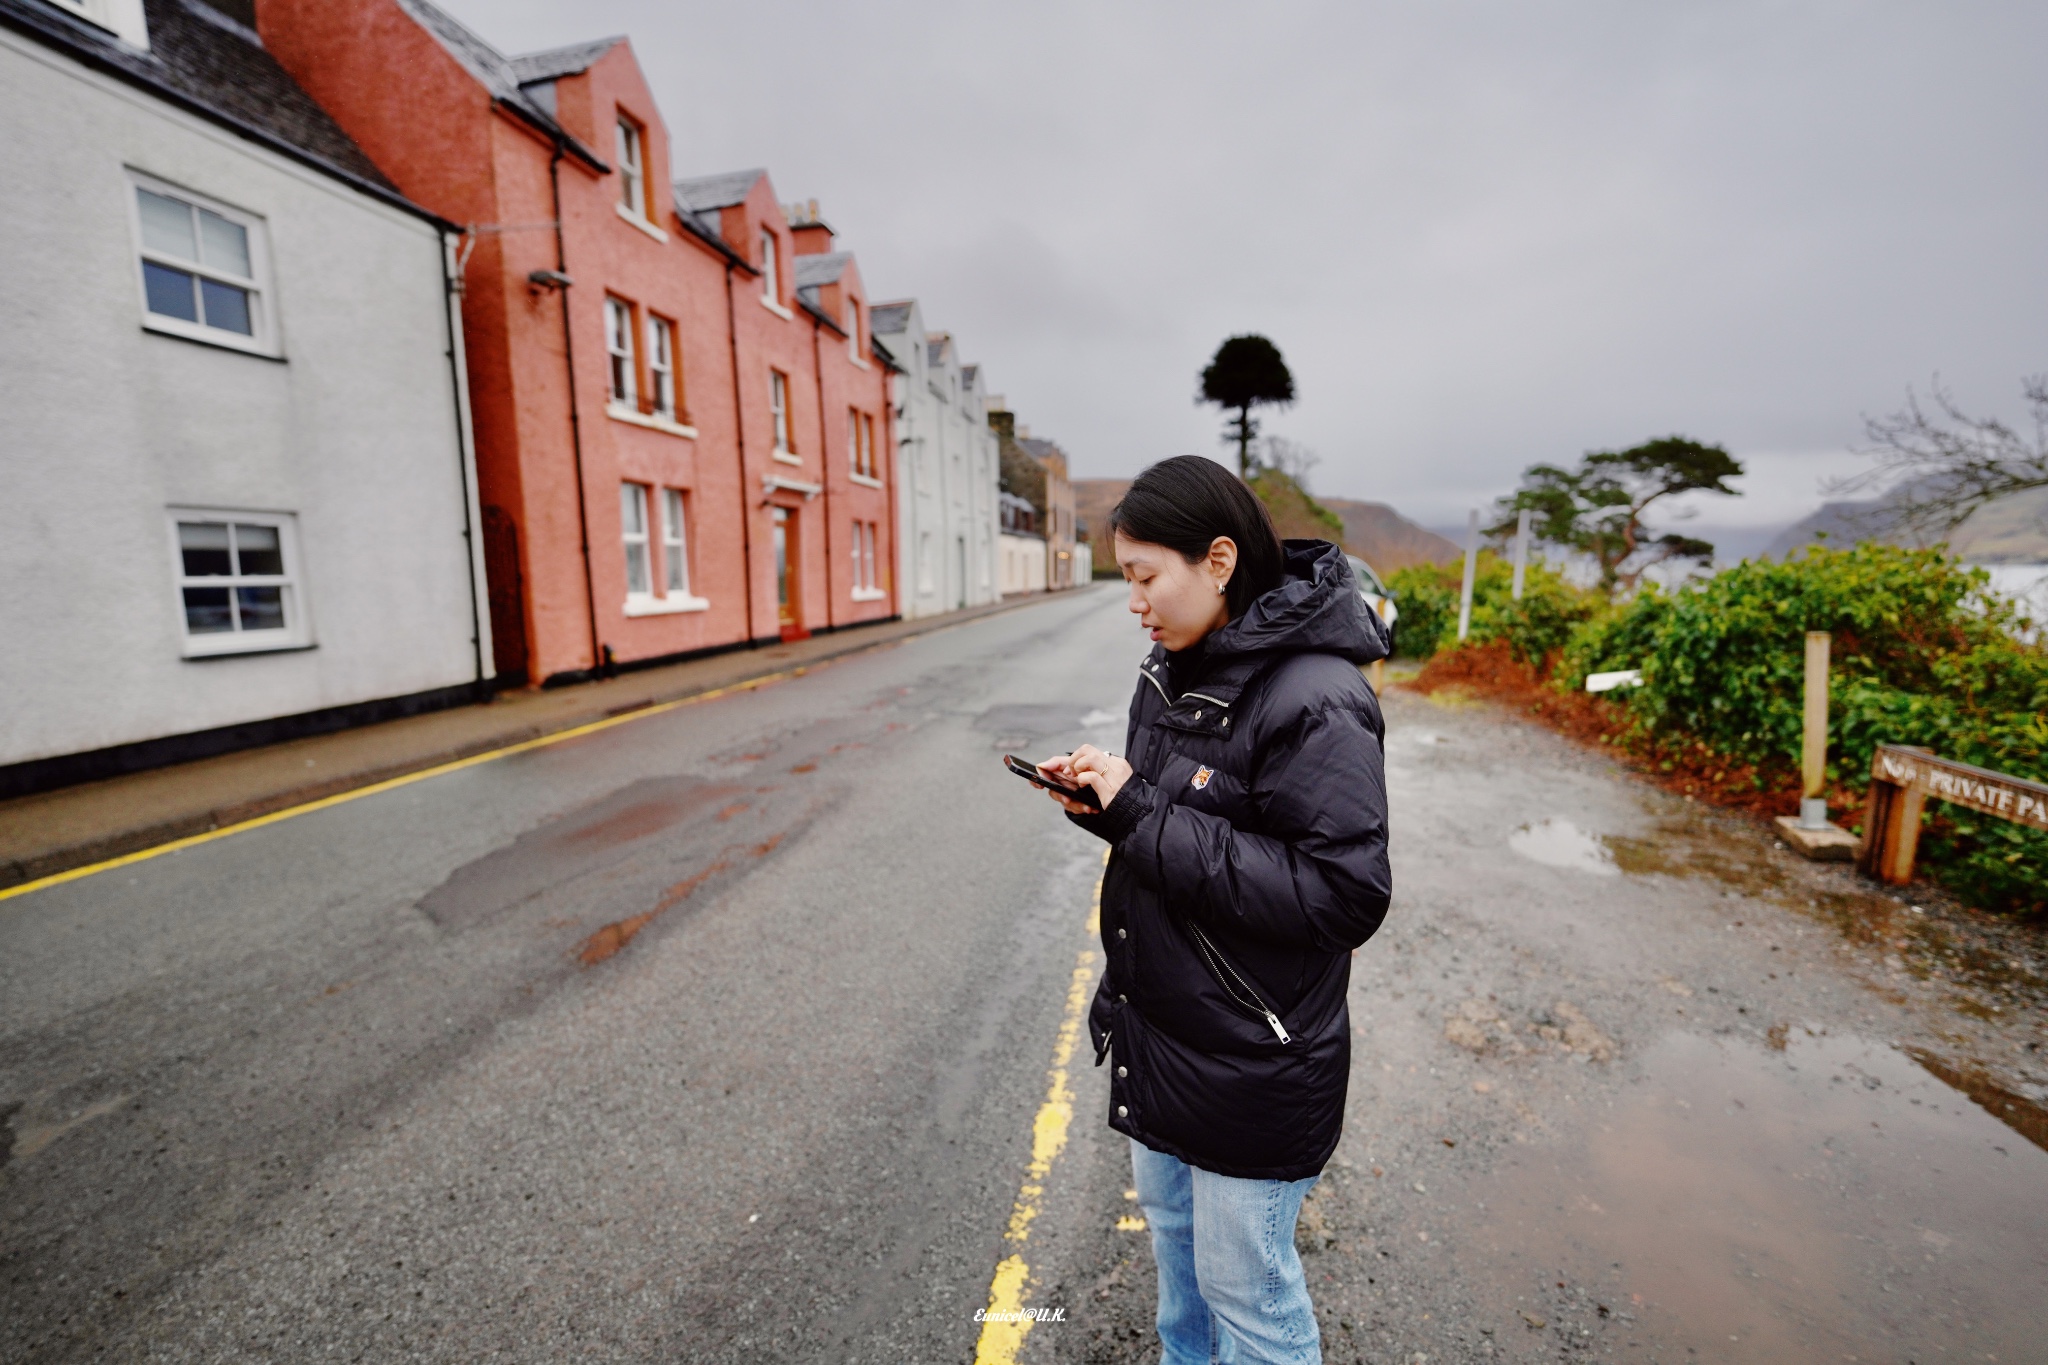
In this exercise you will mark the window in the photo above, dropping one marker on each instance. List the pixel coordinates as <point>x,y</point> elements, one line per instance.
<point>632,173</point>
<point>853,329</point>
<point>675,550</point>
<point>199,268</point>
<point>865,584</point>
<point>771,289</point>
<point>925,564</point>
<point>778,408</point>
<point>661,366</point>
<point>633,517</point>
<point>235,584</point>
<point>618,339</point>
<point>860,443</point>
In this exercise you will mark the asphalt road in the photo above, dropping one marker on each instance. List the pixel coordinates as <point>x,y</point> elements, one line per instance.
<point>724,1035</point>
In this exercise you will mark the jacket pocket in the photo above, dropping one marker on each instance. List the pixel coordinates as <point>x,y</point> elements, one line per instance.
<point>1235,986</point>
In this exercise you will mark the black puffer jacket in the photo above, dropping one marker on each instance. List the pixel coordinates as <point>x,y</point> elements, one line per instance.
<point>1249,859</point>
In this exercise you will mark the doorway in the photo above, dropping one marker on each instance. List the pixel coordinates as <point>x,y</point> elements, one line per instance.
<point>788,589</point>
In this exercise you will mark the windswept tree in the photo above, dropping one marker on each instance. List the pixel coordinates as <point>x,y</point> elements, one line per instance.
<point>1247,372</point>
<point>1597,509</point>
<point>1945,464</point>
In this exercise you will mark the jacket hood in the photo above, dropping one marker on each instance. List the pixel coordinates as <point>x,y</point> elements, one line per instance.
<point>1316,609</point>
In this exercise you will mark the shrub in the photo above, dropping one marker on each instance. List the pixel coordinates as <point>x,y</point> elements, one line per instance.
<point>1536,627</point>
<point>1921,654</point>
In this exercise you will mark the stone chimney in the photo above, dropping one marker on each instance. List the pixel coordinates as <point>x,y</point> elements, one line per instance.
<point>813,236</point>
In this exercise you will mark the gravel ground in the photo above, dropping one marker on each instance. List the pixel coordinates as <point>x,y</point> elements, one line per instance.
<point>1633,1082</point>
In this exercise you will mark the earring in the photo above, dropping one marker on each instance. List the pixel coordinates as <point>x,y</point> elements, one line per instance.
<point>1219,587</point>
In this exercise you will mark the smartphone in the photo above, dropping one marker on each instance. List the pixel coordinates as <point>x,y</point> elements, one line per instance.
<point>1029,772</point>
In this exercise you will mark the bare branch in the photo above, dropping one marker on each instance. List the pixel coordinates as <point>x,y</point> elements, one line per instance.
<point>1938,468</point>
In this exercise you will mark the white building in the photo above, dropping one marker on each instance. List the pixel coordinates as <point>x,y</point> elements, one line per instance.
<point>1021,547</point>
<point>946,468</point>
<point>240,493</point>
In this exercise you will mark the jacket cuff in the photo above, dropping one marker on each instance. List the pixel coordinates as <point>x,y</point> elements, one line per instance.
<point>1133,803</point>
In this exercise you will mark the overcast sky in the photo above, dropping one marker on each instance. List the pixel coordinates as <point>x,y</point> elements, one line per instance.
<point>1483,234</point>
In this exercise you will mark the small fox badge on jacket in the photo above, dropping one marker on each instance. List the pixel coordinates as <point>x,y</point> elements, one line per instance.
<point>1201,778</point>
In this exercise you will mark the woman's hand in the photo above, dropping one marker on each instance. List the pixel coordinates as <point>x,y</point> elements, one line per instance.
<point>1090,766</point>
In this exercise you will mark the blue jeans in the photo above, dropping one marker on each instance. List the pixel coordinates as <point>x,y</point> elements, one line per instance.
<point>1231,1287</point>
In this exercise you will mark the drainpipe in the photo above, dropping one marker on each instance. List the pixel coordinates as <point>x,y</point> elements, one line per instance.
<point>895,560</point>
<point>597,656</point>
<point>739,432</point>
<point>824,462</point>
<point>465,452</point>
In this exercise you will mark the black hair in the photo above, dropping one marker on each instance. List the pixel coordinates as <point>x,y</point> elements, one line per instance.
<point>1185,503</point>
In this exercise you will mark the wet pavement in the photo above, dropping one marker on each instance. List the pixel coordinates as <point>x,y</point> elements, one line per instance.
<point>728,1035</point>
<point>1631,1082</point>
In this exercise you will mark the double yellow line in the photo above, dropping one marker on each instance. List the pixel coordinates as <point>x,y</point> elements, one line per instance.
<point>1003,1325</point>
<point>405,780</point>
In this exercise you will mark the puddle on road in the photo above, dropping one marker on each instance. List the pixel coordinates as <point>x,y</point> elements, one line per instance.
<point>1557,842</point>
<point>1830,1201</point>
<point>569,846</point>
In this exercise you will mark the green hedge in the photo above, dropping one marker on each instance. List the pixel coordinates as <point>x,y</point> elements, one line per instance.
<point>1922,654</point>
<point>1540,624</point>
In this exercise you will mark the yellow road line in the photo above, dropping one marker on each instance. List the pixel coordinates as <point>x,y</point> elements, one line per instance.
<point>403,780</point>
<point>639,713</point>
<point>1005,1321</point>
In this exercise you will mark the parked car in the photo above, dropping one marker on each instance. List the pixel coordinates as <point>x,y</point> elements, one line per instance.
<point>1377,595</point>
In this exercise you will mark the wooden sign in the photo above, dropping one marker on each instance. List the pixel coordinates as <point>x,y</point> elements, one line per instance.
<point>1901,781</point>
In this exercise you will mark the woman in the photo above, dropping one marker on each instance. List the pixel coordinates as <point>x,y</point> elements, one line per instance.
<point>1249,857</point>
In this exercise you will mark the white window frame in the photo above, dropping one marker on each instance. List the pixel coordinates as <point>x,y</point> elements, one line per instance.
<point>298,629</point>
<point>264,340</point>
<point>633,507</point>
<point>661,366</point>
<point>778,413</point>
<point>122,18</point>
<point>771,282</point>
<point>853,330</point>
<point>632,167</point>
<point>623,363</point>
<point>675,544</point>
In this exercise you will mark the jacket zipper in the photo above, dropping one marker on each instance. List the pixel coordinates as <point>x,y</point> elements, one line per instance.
<point>1146,673</point>
<point>1218,967</point>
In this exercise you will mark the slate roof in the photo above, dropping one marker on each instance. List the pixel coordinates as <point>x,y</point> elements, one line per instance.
<point>888,318</point>
<point>205,62</point>
<point>561,61</point>
<point>1038,448</point>
<point>819,268</point>
<point>716,191</point>
<point>506,77</point>
<point>969,373</point>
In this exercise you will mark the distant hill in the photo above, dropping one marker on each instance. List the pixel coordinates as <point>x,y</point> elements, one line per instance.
<point>1385,539</point>
<point>2012,530</point>
<point>1373,531</point>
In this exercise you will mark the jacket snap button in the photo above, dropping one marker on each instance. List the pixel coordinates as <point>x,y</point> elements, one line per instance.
<point>1226,722</point>
<point>1123,1000</point>
<point>1122,1112</point>
<point>1123,1071</point>
<point>1121,934</point>
<point>1198,715</point>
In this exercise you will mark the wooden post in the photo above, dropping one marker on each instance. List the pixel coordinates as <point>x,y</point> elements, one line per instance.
<point>1521,551</point>
<point>1471,569</point>
<point>1813,757</point>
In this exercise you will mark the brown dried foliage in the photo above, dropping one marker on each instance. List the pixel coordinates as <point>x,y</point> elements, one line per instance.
<point>1687,767</point>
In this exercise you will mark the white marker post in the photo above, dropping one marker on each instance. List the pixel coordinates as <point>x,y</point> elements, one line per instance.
<point>1813,750</point>
<point>1521,551</point>
<point>1471,569</point>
